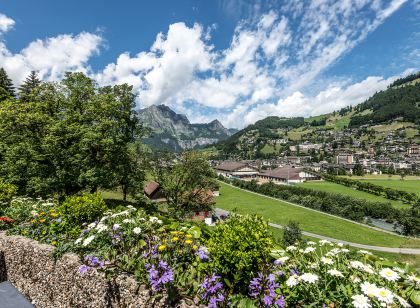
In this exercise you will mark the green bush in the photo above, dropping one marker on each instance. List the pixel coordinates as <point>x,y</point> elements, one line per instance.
<point>291,233</point>
<point>7,192</point>
<point>84,208</point>
<point>239,248</point>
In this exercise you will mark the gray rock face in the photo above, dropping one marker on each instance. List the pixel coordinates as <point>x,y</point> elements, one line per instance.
<point>172,131</point>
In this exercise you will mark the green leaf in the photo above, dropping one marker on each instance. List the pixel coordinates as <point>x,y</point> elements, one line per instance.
<point>415,297</point>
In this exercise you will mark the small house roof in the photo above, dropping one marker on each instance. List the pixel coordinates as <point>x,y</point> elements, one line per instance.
<point>232,166</point>
<point>151,187</point>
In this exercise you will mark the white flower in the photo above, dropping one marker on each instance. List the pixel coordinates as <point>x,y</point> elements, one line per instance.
<point>116,226</point>
<point>101,228</point>
<point>77,242</point>
<point>88,240</point>
<point>354,278</point>
<point>159,221</point>
<point>282,260</point>
<point>340,244</point>
<point>292,281</point>
<point>104,218</point>
<point>153,219</point>
<point>403,302</point>
<point>313,265</point>
<point>323,242</point>
<point>369,289</point>
<point>389,274</point>
<point>309,277</point>
<point>357,264</point>
<point>413,278</point>
<point>384,295</point>
<point>311,243</point>
<point>291,248</point>
<point>136,230</point>
<point>92,225</point>
<point>328,261</point>
<point>335,251</point>
<point>120,213</point>
<point>334,272</point>
<point>364,252</point>
<point>368,269</point>
<point>360,301</point>
<point>309,249</point>
<point>128,221</point>
<point>344,250</point>
<point>130,207</point>
<point>34,213</point>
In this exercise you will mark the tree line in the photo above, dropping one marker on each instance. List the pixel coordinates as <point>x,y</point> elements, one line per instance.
<point>378,190</point>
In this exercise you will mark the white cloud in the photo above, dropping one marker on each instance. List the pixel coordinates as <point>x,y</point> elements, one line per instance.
<point>6,23</point>
<point>51,57</point>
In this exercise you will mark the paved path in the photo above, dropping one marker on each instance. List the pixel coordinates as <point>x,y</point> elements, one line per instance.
<point>413,251</point>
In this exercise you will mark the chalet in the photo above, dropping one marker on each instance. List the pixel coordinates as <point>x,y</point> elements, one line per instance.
<point>236,169</point>
<point>344,159</point>
<point>287,175</point>
<point>413,150</point>
<point>154,192</point>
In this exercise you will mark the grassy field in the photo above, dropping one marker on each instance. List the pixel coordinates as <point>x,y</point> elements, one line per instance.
<point>412,186</point>
<point>382,177</point>
<point>348,191</point>
<point>280,212</point>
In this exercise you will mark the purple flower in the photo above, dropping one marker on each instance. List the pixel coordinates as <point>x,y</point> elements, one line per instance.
<point>264,287</point>
<point>202,254</point>
<point>94,261</point>
<point>294,271</point>
<point>212,290</point>
<point>159,275</point>
<point>83,269</point>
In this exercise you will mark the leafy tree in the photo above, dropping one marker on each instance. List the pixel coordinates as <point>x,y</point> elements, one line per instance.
<point>187,183</point>
<point>29,85</point>
<point>69,137</point>
<point>7,90</point>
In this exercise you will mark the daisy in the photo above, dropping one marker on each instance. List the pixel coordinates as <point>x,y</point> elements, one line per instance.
<point>128,221</point>
<point>360,301</point>
<point>292,281</point>
<point>369,289</point>
<point>335,273</point>
<point>291,248</point>
<point>328,261</point>
<point>384,295</point>
<point>389,274</point>
<point>311,243</point>
<point>324,242</point>
<point>403,302</point>
<point>309,249</point>
<point>309,277</point>
<point>88,240</point>
<point>101,228</point>
<point>136,230</point>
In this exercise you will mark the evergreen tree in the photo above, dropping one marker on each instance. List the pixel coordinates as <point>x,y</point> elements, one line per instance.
<point>31,82</point>
<point>7,90</point>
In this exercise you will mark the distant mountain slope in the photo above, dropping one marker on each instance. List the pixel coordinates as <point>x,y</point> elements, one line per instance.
<point>399,102</point>
<point>172,131</point>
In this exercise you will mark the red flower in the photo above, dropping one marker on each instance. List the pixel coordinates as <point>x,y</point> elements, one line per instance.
<point>7,219</point>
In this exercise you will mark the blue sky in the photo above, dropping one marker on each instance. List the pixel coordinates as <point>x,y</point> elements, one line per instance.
<point>235,60</point>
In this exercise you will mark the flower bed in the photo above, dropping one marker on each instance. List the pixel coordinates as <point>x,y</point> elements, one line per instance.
<point>235,264</point>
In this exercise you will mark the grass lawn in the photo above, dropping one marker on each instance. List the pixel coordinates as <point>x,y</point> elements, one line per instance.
<point>280,212</point>
<point>412,186</point>
<point>382,177</point>
<point>344,190</point>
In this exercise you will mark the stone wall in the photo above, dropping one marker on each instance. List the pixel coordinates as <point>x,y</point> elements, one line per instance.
<point>29,266</point>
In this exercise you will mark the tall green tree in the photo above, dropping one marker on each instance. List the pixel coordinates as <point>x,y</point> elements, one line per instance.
<point>7,90</point>
<point>70,136</point>
<point>28,86</point>
<point>187,182</point>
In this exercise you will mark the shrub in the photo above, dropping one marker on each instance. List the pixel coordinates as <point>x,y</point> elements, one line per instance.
<point>7,192</point>
<point>84,208</point>
<point>238,248</point>
<point>291,233</point>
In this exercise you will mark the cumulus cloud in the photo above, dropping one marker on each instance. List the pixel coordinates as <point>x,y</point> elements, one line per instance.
<point>51,57</point>
<point>6,23</point>
<point>264,71</point>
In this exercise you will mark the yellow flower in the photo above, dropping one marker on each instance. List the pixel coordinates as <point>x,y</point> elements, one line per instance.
<point>174,239</point>
<point>54,243</point>
<point>42,221</point>
<point>188,242</point>
<point>180,232</point>
<point>33,221</point>
<point>42,213</point>
<point>162,247</point>
<point>194,247</point>
<point>54,215</point>
<point>174,232</point>
<point>188,236</point>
